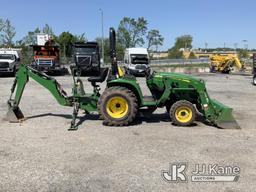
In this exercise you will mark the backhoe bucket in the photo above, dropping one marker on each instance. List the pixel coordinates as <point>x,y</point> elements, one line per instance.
<point>14,114</point>
<point>223,117</point>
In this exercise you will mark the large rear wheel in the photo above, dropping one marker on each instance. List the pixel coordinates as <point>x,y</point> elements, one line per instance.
<point>254,80</point>
<point>182,113</point>
<point>118,106</point>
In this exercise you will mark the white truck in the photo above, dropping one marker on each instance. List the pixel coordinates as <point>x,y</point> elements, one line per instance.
<point>136,61</point>
<point>9,61</point>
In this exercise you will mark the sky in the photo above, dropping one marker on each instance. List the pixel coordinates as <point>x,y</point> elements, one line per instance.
<point>215,22</point>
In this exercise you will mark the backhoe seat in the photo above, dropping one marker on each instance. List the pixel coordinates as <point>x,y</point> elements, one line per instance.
<point>101,77</point>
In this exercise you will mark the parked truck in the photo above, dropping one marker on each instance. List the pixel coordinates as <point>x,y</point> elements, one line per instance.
<point>46,57</point>
<point>136,61</point>
<point>9,61</point>
<point>86,57</point>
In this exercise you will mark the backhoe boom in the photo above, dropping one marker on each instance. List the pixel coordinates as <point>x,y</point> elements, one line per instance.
<point>22,77</point>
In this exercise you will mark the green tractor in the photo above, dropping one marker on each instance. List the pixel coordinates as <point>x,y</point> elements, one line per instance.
<point>182,95</point>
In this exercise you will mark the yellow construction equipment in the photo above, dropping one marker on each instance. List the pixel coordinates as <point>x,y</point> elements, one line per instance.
<point>224,63</point>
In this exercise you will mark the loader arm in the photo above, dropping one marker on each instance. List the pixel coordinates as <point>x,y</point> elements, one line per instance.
<point>238,64</point>
<point>22,77</point>
<point>231,62</point>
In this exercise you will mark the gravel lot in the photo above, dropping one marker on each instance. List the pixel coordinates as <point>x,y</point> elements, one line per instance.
<point>41,155</point>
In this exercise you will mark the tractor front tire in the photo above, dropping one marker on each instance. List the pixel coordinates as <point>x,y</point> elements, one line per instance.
<point>117,106</point>
<point>182,113</point>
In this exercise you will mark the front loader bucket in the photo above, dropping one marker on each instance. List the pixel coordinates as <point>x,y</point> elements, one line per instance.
<point>223,116</point>
<point>14,114</point>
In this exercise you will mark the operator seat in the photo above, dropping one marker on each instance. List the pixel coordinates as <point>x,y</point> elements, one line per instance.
<point>100,78</point>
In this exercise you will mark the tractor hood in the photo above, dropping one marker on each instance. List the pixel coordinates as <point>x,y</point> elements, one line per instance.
<point>177,76</point>
<point>180,80</point>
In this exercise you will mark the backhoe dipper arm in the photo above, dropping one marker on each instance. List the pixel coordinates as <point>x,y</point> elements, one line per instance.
<point>22,77</point>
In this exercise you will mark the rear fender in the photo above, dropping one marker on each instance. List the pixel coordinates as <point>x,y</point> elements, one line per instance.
<point>131,85</point>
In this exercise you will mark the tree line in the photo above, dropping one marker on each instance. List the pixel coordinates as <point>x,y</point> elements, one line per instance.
<point>131,32</point>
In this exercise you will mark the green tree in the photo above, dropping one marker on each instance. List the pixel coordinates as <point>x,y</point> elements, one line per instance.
<point>154,38</point>
<point>181,42</point>
<point>184,41</point>
<point>8,33</point>
<point>30,38</point>
<point>48,30</point>
<point>1,28</point>
<point>175,54</point>
<point>119,49</point>
<point>131,32</point>
<point>65,40</point>
<point>106,48</point>
<point>80,38</point>
<point>243,53</point>
<point>1,24</point>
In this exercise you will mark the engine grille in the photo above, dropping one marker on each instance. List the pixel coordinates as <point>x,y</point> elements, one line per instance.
<point>140,67</point>
<point>83,60</point>
<point>4,65</point>
<point>47,62</point>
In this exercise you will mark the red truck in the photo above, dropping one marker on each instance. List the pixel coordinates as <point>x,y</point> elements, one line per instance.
<point>46,58</point>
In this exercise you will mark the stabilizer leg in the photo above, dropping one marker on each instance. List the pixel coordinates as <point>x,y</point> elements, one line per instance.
<point>74,126</point>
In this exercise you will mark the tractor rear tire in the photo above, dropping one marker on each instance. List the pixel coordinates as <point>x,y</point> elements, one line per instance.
<point>254,80</point>
<point>117,106</point>
<point>182,113</point>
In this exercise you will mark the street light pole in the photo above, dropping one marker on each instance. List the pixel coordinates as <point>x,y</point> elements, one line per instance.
<point>102,37</point>
<point>245,44</point>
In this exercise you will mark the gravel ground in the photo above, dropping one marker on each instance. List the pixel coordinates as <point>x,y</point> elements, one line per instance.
<point>41,155</point>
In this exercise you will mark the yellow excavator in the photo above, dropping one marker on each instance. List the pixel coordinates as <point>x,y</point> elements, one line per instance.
<point>224,63</point>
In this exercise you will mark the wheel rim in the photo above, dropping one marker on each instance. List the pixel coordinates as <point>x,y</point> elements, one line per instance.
<point>254,80</point>
<point>117,107</point>
<point>183,114</point>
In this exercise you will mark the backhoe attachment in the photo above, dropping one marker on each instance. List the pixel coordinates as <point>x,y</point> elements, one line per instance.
<point>14,113</point>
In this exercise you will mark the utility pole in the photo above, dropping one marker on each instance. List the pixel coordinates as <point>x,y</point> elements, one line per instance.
<point>102,37</point>
<point>235,45</point>
<point>206,45</point>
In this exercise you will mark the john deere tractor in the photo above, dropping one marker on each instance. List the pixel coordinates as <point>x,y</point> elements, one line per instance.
<point>182,95</point>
